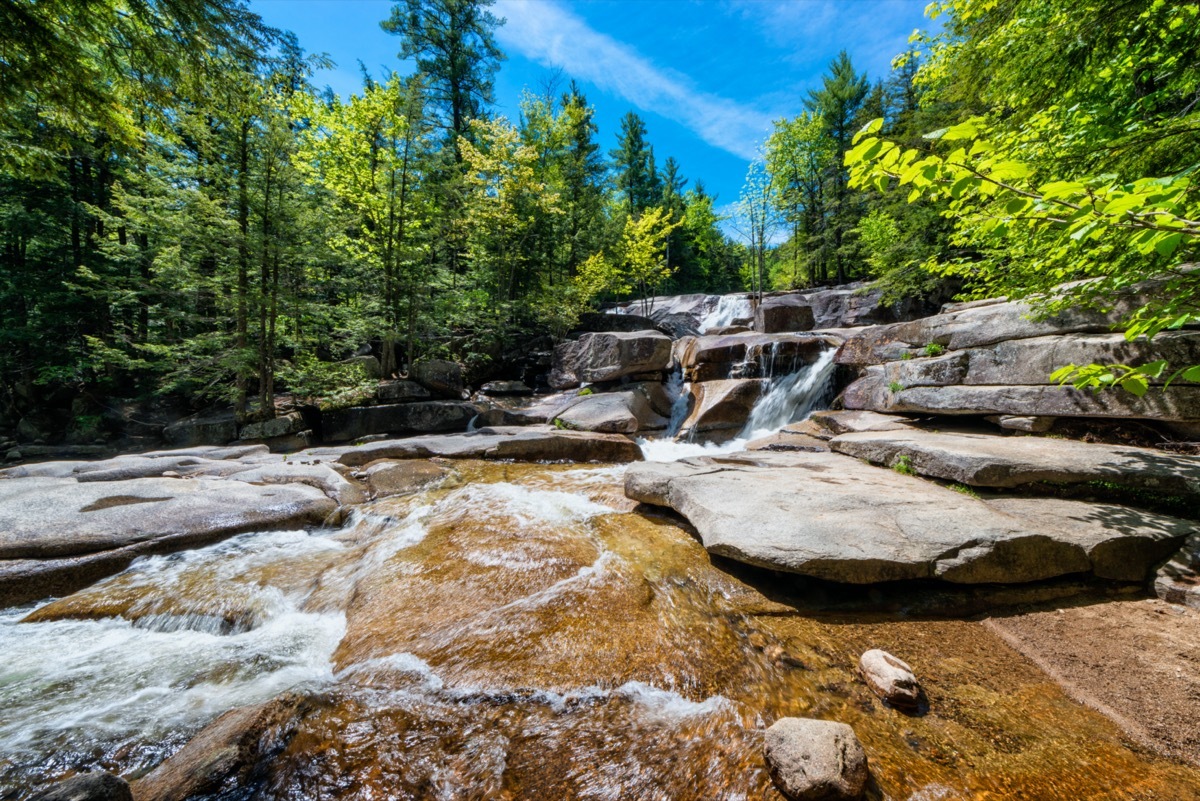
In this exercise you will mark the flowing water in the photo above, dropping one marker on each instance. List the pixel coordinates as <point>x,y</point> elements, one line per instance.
<point>728,309</point>
<point>523,632</point>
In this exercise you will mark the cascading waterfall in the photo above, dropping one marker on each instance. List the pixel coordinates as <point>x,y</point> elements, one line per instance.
<point>677,391</point>
<point>728,309</point>
<point>792,397</point>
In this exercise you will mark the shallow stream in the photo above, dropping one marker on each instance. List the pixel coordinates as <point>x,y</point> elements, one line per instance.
<point>522,632</point>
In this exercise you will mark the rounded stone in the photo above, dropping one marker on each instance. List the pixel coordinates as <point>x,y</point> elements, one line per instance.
<point>815,760</point>
<point>890,678</point>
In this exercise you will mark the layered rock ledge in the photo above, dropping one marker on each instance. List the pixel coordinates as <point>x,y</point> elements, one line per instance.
<point>831,517</point>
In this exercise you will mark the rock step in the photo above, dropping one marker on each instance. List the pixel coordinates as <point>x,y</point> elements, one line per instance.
<point>983,460</point>
<point>831,517</point>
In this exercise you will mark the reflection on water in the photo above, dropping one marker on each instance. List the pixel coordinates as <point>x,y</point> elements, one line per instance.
<point>522,633</point>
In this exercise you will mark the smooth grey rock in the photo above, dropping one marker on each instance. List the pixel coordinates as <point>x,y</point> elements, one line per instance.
<point>832,423</point>
<point>60,535</point>
<point>320,476</point>
<point>442,378</point>
<point>97,786</point>
<point>890,678</point>
<point>342,425</point>
<point>1179,404</point>
<point>787,313</point>
<point>401,391</point>
<point>564,364</point>
<point>1178,580</point>
<point>612,355</point>
<point>624,412</point>
<point>594,322</point>
<point>832,517</point>
<point>815,760</point>
<point>985,460</point>
<point>510,411</point>
<point>523,444</point>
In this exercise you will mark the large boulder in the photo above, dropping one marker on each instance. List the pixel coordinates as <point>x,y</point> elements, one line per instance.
<point>815,760</point>
<point>985,460</point>
<point>640,408</point>
<point>720,409</point>
<point>609,356</point>
<point>831,517</point>
<point>401,391</point>
<point>342,425</point>
<point>443,378</point>
<point>538,443</point>
<point>389,478</point>
<point>783,314</point>
<point>60,535</point>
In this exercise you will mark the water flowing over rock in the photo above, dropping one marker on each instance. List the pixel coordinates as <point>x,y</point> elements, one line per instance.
<point>815,760</point>
<point>226,753</point>
<point>831,517</point>
<point>98,786</point>
<point>890,678</point>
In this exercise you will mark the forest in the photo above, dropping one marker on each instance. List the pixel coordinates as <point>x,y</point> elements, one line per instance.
<point>185,215</point>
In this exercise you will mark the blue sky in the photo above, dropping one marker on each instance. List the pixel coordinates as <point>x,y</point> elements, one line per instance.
<point>708,76</point>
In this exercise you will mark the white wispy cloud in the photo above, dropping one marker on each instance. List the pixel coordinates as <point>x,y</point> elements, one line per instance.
<point>550,34</point>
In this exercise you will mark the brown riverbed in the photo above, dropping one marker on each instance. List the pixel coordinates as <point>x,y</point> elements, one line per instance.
<point>522,633</point>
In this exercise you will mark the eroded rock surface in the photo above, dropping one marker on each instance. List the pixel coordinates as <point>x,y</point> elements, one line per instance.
<point>831,517</point>
<point>984,460</point>
<point>530,444</point>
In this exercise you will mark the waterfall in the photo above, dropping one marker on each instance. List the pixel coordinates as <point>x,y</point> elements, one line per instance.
<point>791,397</point>
<point>677,391</point>
<point>728,309</point>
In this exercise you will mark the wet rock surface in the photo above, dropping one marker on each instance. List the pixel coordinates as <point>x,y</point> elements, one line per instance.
<point>831,517</point>
<point>815,760</point>
<point>97,786</point>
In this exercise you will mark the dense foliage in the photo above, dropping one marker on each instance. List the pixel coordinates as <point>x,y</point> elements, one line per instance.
<point>1071,158</point>
<point>182,212</point>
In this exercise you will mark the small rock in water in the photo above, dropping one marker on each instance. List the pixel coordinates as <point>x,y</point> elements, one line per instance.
<point>815,760</point>
<point>890,678</point>
<point>99,786</point>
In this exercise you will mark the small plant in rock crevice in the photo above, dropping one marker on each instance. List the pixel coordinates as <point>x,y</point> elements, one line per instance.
<point>906,356</point>
<point>934,349</point>
<point>895,386</point>
<point>904,466</point>
<point>964,489</point>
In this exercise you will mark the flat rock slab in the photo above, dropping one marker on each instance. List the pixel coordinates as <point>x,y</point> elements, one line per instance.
<point>1178,580</point>
<point>831,517</point>
<point>983,460</point>
<point>522,444</point>
<point>59,534</point>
